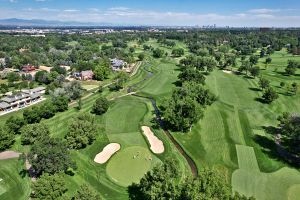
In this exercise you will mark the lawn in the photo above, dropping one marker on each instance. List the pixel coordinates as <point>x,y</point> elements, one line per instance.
<point>248,179</point>
<point>13,185</point>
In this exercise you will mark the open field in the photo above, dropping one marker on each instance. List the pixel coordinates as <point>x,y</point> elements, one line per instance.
<point>249,181</point>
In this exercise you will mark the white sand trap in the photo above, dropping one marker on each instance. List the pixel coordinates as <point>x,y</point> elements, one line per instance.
<point>156,145</point>
<point>107,152</point>
<point>227,71</point>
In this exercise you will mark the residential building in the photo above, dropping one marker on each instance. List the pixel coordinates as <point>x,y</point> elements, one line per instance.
<point>86,75</point>
<point>117,64</point>
<point>21,99</point>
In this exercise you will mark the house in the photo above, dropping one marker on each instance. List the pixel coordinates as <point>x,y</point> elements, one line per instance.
<point>21,99</point>
<point>117,64</point>
<point>86,75</point>
<point>40,90</point>
<point>28,68</point>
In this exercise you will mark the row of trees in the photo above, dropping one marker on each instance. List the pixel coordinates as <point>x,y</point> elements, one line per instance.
<point>163,183</point>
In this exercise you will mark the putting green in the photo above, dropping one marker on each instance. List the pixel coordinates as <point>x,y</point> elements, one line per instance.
<point>129,165</point>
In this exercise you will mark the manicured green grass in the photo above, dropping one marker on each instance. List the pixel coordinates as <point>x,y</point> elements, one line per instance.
<point>13,185</point>
<point>125,115</point>
<point>249,181</point>
<point>129,165</point>
<point>162,83</point>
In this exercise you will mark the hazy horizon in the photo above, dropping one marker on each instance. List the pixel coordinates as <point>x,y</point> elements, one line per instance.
<point>234,13</point>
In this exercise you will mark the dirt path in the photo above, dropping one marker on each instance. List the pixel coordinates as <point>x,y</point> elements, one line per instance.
<point>9,154</point>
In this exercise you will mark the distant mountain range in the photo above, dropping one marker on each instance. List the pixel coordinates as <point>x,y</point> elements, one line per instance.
<point>40,22</point>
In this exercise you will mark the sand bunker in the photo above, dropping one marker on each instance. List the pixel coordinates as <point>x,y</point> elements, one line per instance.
<point>9,154</point>
<point>106,153</point>
<point>227,71</point>
<point>156,145</point>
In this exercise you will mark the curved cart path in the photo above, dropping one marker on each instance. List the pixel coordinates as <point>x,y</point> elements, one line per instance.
<point>9,154</point>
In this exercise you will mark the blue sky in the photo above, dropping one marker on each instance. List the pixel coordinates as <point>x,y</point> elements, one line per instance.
<point>281,13</point>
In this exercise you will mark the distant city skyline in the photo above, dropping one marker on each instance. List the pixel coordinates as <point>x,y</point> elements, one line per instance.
<point>234,13</point>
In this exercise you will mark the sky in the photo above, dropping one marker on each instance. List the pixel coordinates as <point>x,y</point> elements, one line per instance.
<point>235,13</point>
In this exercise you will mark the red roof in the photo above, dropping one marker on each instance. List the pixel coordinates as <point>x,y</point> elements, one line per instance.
<point>28,68</point>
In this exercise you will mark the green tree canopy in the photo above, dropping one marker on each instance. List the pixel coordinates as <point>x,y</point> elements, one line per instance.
<point>49,187</point>
<point>100,106</point>
<point>50,155</point>
<point>32,133</point>
<point>82,131</point>
<point>86,193</point>
<point>6,138</point>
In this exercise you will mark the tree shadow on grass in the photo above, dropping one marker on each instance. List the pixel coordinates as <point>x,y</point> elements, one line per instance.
<point>261,100</point>
<point>255,89</point>
<point>134,192</point>
<point>273,150</point>
<point>177,83</point>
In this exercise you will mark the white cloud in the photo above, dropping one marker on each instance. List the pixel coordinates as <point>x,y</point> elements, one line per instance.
<point>122,15</point>
<point>71,10</point>
<point>263,11</point>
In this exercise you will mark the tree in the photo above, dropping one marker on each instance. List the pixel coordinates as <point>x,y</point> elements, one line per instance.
<point>160,183</point>
<point>178,52</point>
<point>50,155</point>
<point>289,127</point>
<point>32,115</point>
<point>14,124</point>
<point>282,84</point>
<point>82,131</point>
<point>47,110</point>
<point>86,193</point>
<point>59,70</point>
<point>254,71</point>
<point>6,138</point>
<point>158,53</point>
<point>180,112</point>
<point>190,74</point>
<point>102,70</point>
<point>60,103</point>
<point>120,80</point>
<point>291,67</point>
<point>73,90</point>
<point>246,65</point>
<point>13,77</point>
<point>49,187</point>
<point>163,182</point>
<point>141,56</point>
<point>269,95</point>
<point>100,106</point>
<point>268,61</point>
<point>210,184</point>
<point>294,88</point>
<point>253,59</point>
<point>263,83</point>
<point>32,133</point>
